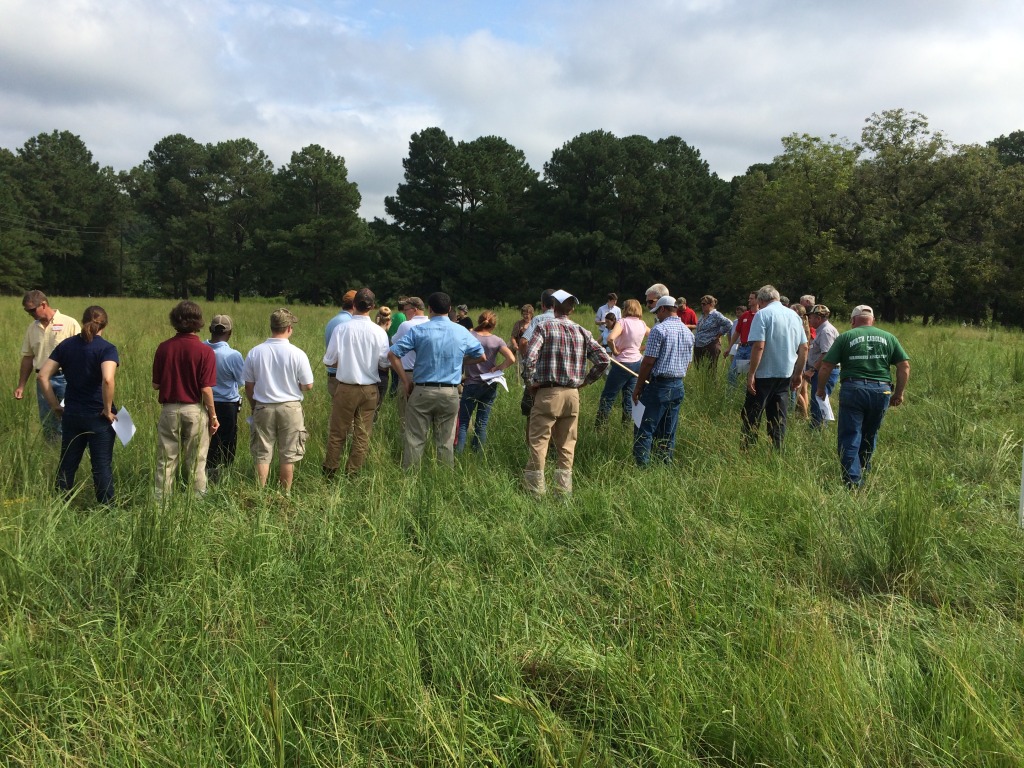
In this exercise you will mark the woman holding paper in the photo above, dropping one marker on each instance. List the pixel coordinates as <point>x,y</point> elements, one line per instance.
<point>89,363</point>
<point>478,394</point>
<point>624,342</point>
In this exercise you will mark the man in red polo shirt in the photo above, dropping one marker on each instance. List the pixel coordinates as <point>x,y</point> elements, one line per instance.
<point>184,374</point>
<point>741,360</point>
<point>686,314</point>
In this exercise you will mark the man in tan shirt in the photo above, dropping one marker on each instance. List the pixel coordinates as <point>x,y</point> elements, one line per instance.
<point>48,329</point>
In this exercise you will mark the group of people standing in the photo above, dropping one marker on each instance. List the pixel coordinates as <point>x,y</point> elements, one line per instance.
<point>444,374</point>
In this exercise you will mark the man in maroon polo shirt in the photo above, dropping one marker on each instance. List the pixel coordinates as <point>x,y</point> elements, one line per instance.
<point>184,373</point>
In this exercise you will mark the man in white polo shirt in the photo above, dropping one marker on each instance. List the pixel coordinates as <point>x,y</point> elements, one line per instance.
<point>358,350</point>
<point>276,374</point>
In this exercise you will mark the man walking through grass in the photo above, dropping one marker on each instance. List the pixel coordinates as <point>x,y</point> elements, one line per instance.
<point>778,349</point>
<point>359,350</point>
<point>659,384</point>
<point>556,369</point>
<point>866,390</point>
<point>276,374</point>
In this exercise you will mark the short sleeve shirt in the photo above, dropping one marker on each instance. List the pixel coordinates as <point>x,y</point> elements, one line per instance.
<point>821,343</point>
<point>276,369</point>
<point>39,342</point>
<point>671,344</point>
<point>229,372</point>
<point>782,332</point>
<point>82,365</point>
<point>492,345</point>
<point>866,353</point>
<point>182,367</point>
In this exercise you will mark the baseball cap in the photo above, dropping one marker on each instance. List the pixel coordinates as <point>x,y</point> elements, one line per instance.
<point>282,319</point>
<point>820,309</point>
<point>664,301</point>
<point>563,296</point>
<point>221,324</point>
<point>862,310</point>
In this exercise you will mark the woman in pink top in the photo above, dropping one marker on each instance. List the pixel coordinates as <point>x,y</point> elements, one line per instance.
<point>624,346</point>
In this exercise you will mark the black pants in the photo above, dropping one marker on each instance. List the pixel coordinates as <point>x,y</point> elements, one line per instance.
<point>772,399</point>
<point>225,439</point>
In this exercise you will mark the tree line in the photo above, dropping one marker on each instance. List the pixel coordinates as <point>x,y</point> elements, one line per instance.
<point>903,219</point>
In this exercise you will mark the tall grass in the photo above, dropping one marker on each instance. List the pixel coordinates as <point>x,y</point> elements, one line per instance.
<point>730,609</point>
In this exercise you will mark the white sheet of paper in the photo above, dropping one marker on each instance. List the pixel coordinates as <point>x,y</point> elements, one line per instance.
<point>638,413</point>
<point>495,377</point>
<point>826,409</point>
<point>124,427</point>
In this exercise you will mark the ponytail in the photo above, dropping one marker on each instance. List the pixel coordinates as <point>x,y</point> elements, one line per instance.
<point>486,322</point>
<point>94,320</point>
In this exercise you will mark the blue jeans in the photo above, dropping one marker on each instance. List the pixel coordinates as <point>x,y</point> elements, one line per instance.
<point>479,397</point>
<point>618,381</point>
<point>770,400</point>
<point>661,400</point>
<point>51,424</point>
<point>742,353</point>
<point>862,406</point>
<point>92,431</point>
<point>816,417</point>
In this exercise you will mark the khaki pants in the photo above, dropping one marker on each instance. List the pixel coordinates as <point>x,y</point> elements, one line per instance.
<point>553,418</point>
<point>352,408</point>
<point>183,437</point>
<point>403,403</point>
<point>431,407</point>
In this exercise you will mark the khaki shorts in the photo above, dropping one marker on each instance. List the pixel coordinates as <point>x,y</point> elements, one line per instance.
<point>279,424</point>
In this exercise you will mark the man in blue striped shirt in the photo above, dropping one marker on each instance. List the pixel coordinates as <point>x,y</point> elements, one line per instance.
<point>659,385</point>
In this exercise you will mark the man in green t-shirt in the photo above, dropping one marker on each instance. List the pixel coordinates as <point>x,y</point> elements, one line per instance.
<point>866,390</point>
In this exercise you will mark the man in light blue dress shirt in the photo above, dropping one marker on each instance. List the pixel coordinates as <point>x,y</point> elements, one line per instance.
<point>441,348</point>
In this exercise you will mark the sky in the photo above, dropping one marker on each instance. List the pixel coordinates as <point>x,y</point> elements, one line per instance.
<point>730,77</point>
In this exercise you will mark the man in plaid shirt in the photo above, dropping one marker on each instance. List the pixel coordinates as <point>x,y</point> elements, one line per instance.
<point>555,370</point>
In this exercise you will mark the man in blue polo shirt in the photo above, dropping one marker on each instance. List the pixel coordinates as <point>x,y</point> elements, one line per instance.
<point>441,348</point>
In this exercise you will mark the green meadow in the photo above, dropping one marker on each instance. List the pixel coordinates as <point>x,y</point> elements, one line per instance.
<point>728,610</point>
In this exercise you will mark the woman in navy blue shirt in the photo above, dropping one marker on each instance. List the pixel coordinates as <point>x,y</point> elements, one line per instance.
<point>89,363</point>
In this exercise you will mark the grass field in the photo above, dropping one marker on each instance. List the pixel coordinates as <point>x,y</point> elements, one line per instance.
<point>728,610</point>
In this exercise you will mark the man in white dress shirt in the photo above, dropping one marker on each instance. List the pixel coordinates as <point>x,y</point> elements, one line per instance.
<point>358,349</point>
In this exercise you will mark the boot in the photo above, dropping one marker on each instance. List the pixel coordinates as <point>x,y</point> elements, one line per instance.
<point>563,482</point>
<point>533,482</point>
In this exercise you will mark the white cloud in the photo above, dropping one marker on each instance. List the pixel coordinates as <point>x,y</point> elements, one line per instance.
<point>731,78</point>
